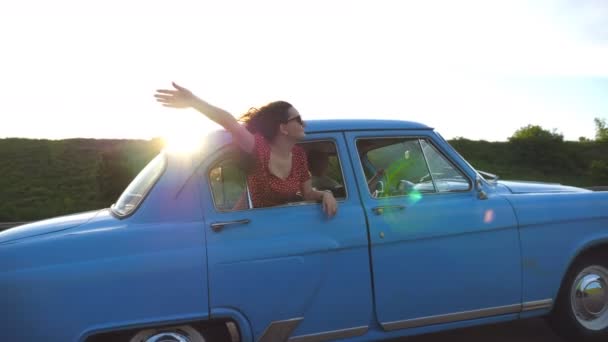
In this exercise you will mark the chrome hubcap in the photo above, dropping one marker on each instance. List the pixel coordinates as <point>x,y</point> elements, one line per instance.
<point>589,297</point>
<point>183,333</point>
<point>168,337</point>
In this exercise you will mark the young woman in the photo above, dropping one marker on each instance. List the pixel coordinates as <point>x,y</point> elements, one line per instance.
<point>280,171</point>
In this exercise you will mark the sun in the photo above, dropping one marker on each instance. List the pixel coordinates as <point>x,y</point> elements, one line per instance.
<point>185,134</point>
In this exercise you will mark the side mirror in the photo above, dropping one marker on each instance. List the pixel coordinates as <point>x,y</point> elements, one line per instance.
<point>405,187</point>
<point>481,194</point>
<point>380,187</point>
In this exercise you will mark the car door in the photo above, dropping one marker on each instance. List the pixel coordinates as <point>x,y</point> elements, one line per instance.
<point>439,253</point>
<point>290,270</point>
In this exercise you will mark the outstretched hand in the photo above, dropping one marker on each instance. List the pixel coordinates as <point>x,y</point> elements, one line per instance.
<point>178,98</point>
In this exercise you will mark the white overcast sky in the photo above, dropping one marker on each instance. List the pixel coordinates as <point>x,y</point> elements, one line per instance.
<point>476,69</point>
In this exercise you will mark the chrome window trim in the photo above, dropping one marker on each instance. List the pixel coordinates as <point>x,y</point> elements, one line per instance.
<point>428,167</point>
<point>331,335</point>
<point>249,201</point>
<point>467,315</point>
<point>417,137</point>
<point>449,161</point>
<point>229,148</point>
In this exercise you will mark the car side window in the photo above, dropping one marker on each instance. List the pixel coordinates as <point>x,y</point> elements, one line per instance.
<point>228,178</point>
<point>447,177</point>
<point>229,184</point>
<point>402,166</point>
<point>324,167</point>
<point>394,166</point>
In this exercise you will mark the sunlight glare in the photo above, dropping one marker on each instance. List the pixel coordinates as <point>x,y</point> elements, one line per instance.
<point>185,134</point>
<point>488,216</point>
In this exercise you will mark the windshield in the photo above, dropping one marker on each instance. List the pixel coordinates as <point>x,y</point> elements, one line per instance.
<point>132,197</point>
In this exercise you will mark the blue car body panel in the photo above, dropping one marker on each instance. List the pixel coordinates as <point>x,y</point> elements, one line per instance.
<point>441,247</point>
<point>292,262</point>
<point>106,274</point>
<point>552,235</point>
<point>421,264</point>
<point>46,226</point>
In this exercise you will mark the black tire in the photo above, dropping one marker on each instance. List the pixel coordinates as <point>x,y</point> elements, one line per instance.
<point>217,332</point>
<point>581,310</point>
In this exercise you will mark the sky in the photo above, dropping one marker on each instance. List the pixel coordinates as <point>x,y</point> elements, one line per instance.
<point>474,69</point>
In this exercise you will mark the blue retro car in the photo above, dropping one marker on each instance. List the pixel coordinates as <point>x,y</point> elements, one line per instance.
<point>431,244</point>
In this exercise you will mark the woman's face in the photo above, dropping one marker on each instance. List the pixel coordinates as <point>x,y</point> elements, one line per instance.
<point>294,125</point>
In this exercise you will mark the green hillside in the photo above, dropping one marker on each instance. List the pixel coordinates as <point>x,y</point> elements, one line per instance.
<point>581,164</point>
<point>46,178</point>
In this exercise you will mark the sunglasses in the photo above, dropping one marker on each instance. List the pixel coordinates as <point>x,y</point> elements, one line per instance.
<point>298,119</point>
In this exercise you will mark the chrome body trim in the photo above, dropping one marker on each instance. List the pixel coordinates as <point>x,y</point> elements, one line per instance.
<point>537,305</point>
<point>280,330</point>
<point>453,317</point>
<point>331,335</point>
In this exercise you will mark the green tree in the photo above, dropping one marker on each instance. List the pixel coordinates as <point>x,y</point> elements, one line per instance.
<point>599,172</point>
<point>539,149</point>
<point>601,130</point>
<point>113,176</point>
<point>535,132</point>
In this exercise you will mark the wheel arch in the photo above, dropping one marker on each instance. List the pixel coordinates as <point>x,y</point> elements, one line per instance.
<point>592,247</point>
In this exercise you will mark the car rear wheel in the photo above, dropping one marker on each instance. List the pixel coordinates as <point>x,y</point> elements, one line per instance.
<point>581,311</point>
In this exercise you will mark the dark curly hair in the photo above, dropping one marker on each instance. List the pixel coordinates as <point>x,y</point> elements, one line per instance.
<point>266,120</point>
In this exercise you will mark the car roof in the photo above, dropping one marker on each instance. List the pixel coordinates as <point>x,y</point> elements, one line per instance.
<point>316,126</point>
<point>339,125</point>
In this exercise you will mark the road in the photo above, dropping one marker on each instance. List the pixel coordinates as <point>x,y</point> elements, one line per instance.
<point>527,330</point>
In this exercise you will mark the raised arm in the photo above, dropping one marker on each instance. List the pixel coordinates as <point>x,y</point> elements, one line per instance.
<point>181,97</point>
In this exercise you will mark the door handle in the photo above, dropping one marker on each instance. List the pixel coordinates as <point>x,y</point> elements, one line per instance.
<point>218,226</point>
<point>379,210</point>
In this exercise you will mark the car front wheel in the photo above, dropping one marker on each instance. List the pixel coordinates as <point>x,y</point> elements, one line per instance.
<point>581,311</point>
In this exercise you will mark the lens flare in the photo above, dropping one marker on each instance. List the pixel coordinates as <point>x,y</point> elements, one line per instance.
<point>184,134</point>
<point>413,197</point>
<point>488,216</point>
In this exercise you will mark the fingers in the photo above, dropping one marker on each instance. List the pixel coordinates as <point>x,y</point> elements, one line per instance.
<point>176,86</point>
<point>173,98</point>
<point>167,91</point>
<point>330,207</point>
<point>165,101</point>
<point>163,97</point>
<point>331,210</point>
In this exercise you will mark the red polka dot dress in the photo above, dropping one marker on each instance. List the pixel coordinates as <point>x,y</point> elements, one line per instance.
<point>265,188</point>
